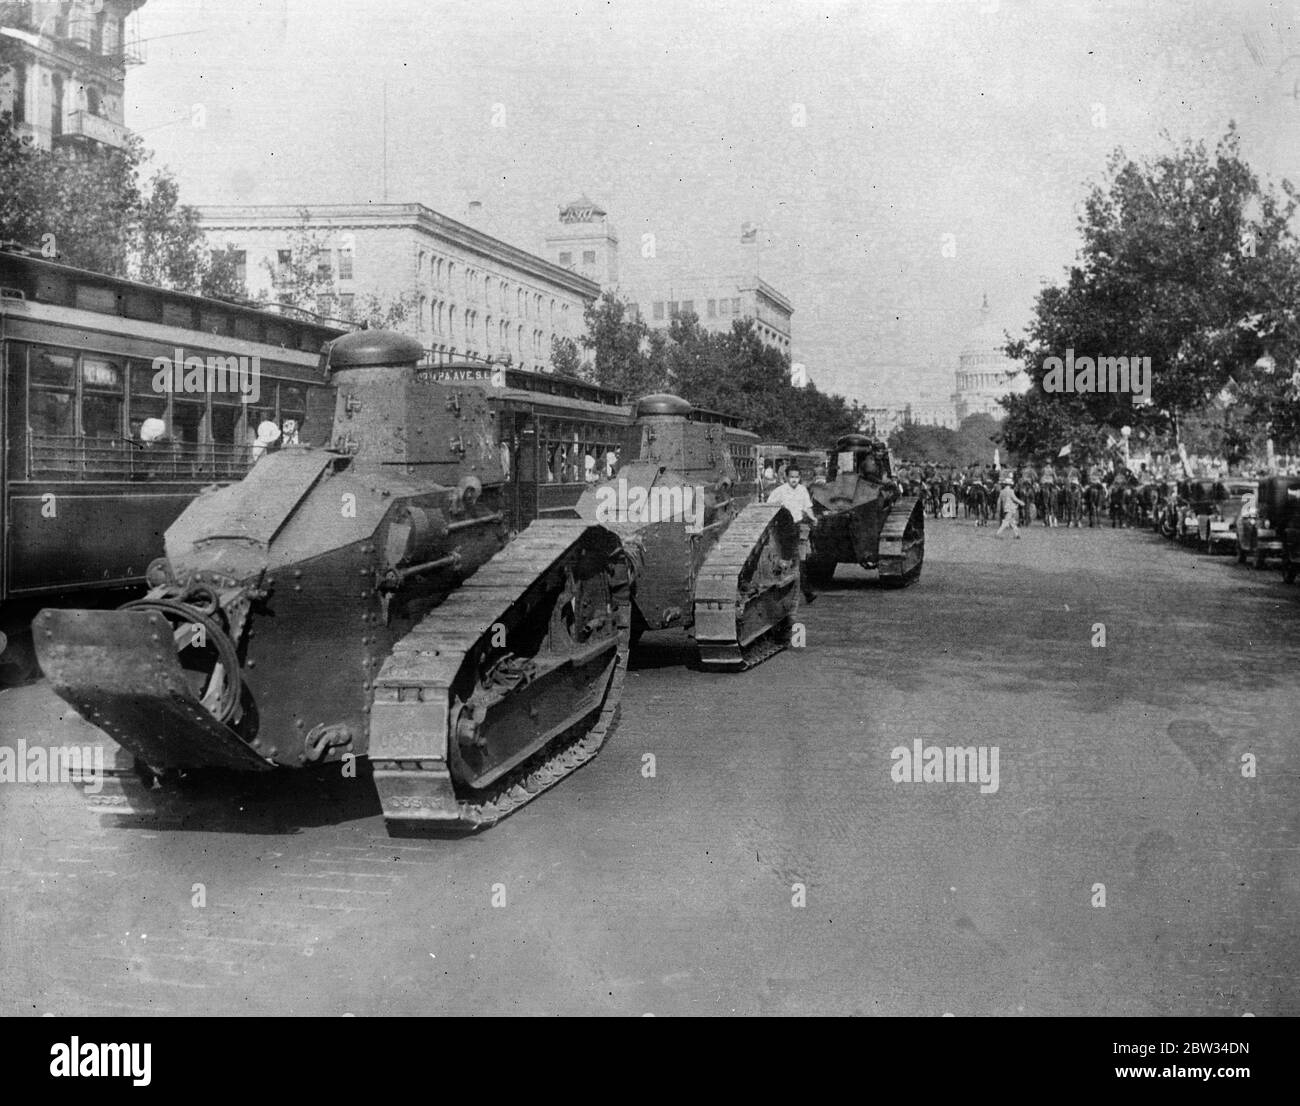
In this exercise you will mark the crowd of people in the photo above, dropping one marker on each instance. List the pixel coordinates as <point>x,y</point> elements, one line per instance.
<point>1063,493</point>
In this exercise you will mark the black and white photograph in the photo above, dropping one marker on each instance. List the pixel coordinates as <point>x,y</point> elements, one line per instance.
<point>650,508</point>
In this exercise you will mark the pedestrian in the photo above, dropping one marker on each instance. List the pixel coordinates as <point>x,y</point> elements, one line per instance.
<point>794,497</point>
<point>1008,504</point>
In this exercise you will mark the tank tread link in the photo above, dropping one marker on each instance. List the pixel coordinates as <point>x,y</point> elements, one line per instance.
<point>415,696</point>
<point>902,543</point>
<point>746,594</point>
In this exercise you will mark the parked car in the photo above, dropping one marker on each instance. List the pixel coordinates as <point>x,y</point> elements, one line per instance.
<point>1196,502</point>
<point>1218,527</point>
<point>1289,527</point>
<point>1259,533</point>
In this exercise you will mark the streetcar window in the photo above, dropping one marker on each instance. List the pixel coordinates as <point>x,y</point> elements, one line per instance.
<point>178,314</point>
<point>226,414</point>
<point>51,287</point>
<point>262,411</point>
<point>293,409</point>
<point>277,334</point>
<point>51,406</point>
<point>50,414</point>
<point>215,322</point>
<point>247,328</point>
<point>101,398</point>
<point>140,305</point>
<point>146,402</point>
<point>52,368</point>
<point>187,420</point>
<point>92,297</point>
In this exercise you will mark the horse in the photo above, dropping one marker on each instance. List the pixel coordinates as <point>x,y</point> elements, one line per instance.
<point>1047,503</point>
<point>1027,493</point>
<point>1072,496</point>
<point>977,503</point>
<point>1146,502</point>
<point>1095,502</point>
<point>1121,499</point>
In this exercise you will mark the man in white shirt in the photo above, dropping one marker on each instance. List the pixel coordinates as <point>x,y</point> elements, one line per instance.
<point>794,497</point>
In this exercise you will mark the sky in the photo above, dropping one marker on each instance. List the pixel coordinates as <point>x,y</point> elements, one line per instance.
<point>902,158</point>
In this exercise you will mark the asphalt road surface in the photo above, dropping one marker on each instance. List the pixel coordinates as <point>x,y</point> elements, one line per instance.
<point>1128,862</point>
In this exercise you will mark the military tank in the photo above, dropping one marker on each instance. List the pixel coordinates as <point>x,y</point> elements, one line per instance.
<point>360,598</point>
<point>702,555</point>
<point>863,518</point>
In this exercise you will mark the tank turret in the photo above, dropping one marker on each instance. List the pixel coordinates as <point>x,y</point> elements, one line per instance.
<point>315,612</point>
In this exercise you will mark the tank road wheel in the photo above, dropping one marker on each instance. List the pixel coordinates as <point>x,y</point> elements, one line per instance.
<point>902,545</point>
<point>513,682</point>
<point>747,590</point>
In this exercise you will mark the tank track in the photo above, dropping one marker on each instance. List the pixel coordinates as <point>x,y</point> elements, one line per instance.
<point>413,697</point>
<point>900,559</point>
<point>747,590</point>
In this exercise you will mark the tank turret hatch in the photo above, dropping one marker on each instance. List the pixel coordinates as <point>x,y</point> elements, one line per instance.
<point>364,349</point>
<point>662,403</point>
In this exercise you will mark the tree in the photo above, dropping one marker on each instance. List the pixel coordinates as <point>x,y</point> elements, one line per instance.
<point>566,358</point>
<point>90,211</point>
<point>1187,260</point>
<point>615,337</point>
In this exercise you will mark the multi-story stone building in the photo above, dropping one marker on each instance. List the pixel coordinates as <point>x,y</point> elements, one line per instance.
<point>717,303</point>
<point>985,373</point>
<point>472,294</point>
<point>66,87</point>
<point>586,242</point>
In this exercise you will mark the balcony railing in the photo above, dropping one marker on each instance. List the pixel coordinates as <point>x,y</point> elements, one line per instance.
<point>95,459</point>
<point>94,128</point>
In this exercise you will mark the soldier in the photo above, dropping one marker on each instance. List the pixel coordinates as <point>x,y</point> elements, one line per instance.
<point>1048,482</point>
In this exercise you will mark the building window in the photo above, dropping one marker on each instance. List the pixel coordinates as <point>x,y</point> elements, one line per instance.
<point>713,309</point>
<point>688,307</point>
<point>735,306</point>
<point>345,264</point>
<point>566,259</point>
<point>347,304</point>
<point>56,102</point>
<point>673,308</point>
<point>659,311</point>
<point>284,258</point>
<point>589,257</point>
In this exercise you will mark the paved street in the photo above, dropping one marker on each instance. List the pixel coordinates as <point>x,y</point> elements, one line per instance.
<point>1118,766</point>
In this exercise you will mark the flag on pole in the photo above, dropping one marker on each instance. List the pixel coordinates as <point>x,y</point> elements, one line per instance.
<point>1065,451</point>
<point>748,233</point>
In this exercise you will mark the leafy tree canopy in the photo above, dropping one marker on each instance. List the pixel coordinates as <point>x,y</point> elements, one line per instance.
<point>1189,260</point>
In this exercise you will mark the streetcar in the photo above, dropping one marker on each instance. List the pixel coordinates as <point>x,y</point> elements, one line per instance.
<point>558,434</point>
<point>101,449</point>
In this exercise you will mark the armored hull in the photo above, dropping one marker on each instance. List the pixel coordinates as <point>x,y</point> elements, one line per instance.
<point>863,519</point>
<point>361,601</point>
<point>702,555</point>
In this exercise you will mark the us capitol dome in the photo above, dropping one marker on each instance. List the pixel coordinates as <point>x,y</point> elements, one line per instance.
<point>985,373</point>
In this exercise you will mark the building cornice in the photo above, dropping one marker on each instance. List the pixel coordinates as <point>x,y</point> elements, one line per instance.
<point>394,216</point>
